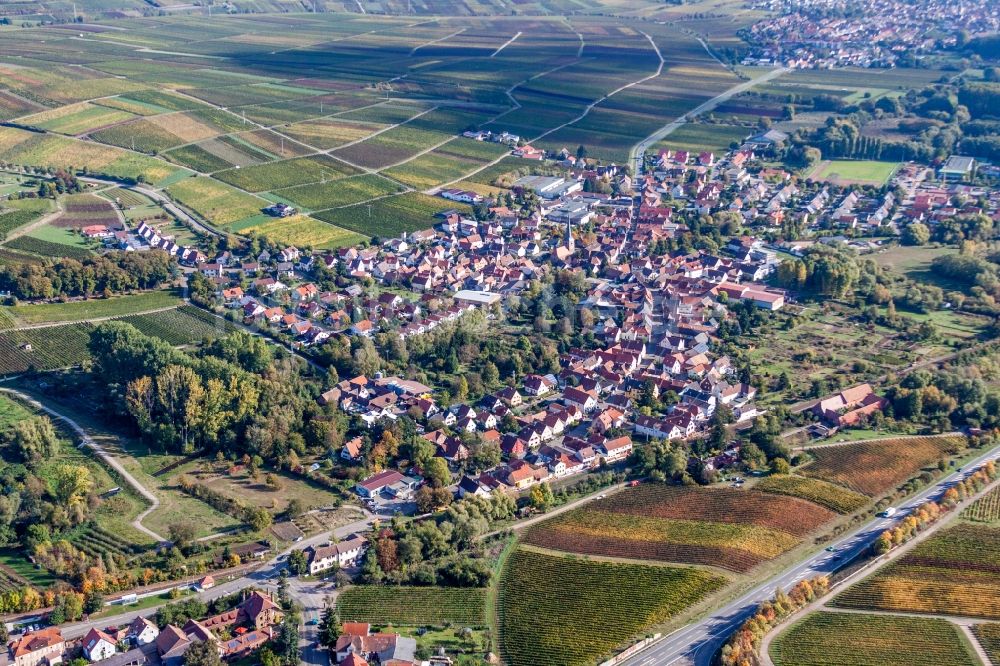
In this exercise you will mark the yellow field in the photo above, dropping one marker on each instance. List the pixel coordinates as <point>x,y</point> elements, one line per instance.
<point>304,231</point>
<point>76,118</point>
<point>327,134</point>
<point>217,202</point>
<point>184,127</point>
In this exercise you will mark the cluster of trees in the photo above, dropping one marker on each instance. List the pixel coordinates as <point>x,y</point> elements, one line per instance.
<point>233,397</point>
<point>955,396</point>
<point>929,512</point>
<point>825,270</point>
<point>34,491</point>
<point>935,122</point>
<point>62,182</point>
<point>111,273</point>
<point>441,551</point>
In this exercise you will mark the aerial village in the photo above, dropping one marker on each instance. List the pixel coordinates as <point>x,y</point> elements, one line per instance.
<point>887,33</point>
<point>657,312</point>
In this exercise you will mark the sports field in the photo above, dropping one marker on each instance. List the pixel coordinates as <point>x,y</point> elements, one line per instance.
<point>854,172</point>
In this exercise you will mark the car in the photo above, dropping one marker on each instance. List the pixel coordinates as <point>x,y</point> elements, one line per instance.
<point>830,549</point>
<point>601,496</point>
<point>313,622</point>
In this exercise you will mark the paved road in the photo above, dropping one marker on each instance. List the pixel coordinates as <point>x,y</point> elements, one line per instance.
<point>639,151</point>
<point>87,440</point>
<point>697,643</point>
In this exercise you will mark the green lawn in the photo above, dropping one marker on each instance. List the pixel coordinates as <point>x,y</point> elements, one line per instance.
<point>861,172</point>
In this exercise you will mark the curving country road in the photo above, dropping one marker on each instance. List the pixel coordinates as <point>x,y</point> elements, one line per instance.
<point>698,643</point>
<point>87,440</point>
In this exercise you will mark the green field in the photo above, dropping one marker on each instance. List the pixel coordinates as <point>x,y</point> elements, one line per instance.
<point>854,172</point>
<point>216,202</point>
<point>835,639</point>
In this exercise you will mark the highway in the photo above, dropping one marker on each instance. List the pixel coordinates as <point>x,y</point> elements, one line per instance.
<point>697,643</point>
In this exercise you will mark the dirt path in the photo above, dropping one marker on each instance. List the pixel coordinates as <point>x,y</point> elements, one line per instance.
<point>87,440</point>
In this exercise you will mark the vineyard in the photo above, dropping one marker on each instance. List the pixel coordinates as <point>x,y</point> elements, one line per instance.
<point>849,639</point>
<point>988,636</point>
<point>954,572</point>
<point>98,542</point>
<point>85,209</point>
<point>423,606</point>
<point>986,509</point>
<point>565,611</point>
<point>876,467</point>
<point>732,529</point>
<point>62,346</point>
<point>43,313</point>
<point>43,348</point>
<point>181,326</point>
<point>46,248</point>
<point>825,494</point>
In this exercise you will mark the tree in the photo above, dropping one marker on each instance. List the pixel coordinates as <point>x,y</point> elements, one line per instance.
<point>329,627</point>
<point>581,152</point>
<point>181,533</point>
<point>297,563</point>
<point>437,473</point>
<point>204,653</point>
<point>541,497</point>
<point>780,466</point>
<point>93,601</point>
<point>288,640</point>
<point>916,234</point>
<point>295,508</point>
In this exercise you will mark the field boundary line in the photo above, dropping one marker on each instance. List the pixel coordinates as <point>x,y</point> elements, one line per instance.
<point>506,44</point>
<point>110,460</point>
<point>416,48</point>
<point>590,107</point>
